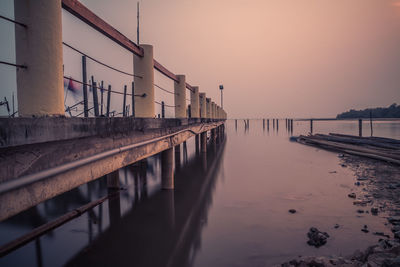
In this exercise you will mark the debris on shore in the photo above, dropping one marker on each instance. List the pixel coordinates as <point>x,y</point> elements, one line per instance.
<point>385,149</point>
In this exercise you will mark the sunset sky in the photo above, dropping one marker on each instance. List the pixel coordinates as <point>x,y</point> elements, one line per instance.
<point>276,58</point>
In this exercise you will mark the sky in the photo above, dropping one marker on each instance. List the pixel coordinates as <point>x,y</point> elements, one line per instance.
<point>275,58</point>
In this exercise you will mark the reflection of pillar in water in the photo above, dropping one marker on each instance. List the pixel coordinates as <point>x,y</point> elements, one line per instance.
<point>39,257</point>
<point>114,208</point>
<point>177,157</point>
<point>143,178</point>
<point>167,169</point>
<point>204,161</point>
<point>277,124</point>
<point>100,223</point>
<point>90,227</point>
<point>311,126</point>
<point>168,208</point>
<point>136,182</point>
<point>267,124</point>
<point>236,125</point>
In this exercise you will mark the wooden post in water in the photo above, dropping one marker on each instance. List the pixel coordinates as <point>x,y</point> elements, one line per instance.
<point>124,103</point>
<point>263,124</point>
<point>84,88</point>
<point>95,98</point>
<point>311,126</point>
<point>267,124</point>
<point>162,109</point>
<point>277,124</point>
<point>273,123</point>
<point>360,127</point>
<point>370,122</point>
<point>236,124</point>
<point>167,169</point>
<point>108,101</point>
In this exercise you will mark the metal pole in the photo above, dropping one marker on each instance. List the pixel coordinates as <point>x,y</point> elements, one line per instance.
<point>95,99</point>
<point>133,99</point>
<point>108,101</point>
<point>124,103</point>
<point>85,94</point>
<point>102,97</point>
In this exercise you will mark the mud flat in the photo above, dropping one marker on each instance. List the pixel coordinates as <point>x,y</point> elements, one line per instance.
<point>377,192</point>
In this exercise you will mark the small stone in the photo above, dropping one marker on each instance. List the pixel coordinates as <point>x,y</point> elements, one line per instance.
<point>360,211</point>
<point>292,211</point>
<point>394,220</point>
<point>362,178</point>
<point>341,155</point>
<point>365,230</point>
<point>391,186</point>
<point>357,183</point>
<point>396,228</point>
<point>352,195</point>
<point>332,172</point>
<point>343,165</point>
<point>381,234</point>
<point>374,210</point>
<point>316,237</point>
<point>336,226</point>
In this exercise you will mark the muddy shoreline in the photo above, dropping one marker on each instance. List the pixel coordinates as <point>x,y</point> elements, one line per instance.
<point>376,192</point>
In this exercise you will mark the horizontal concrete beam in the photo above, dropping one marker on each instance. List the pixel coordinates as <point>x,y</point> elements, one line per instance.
<point>68,163</point>
<point>24,131</point>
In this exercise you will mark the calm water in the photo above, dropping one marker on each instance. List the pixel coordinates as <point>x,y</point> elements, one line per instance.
<point>229,208</point>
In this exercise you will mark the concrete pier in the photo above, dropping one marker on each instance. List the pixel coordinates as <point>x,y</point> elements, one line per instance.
<point>177,149</point>
<point>180,97</point>
<point>203,105</point>
<point>144,83</point>
<point>167,169</point>
<point>203,142</point>
<point>195,102</point>
<point>39,46</point>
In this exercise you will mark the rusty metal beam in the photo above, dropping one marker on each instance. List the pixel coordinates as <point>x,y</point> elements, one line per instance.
<point>83,13</point>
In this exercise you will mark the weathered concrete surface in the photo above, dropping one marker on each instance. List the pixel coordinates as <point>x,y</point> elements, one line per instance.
<point>106,134</point>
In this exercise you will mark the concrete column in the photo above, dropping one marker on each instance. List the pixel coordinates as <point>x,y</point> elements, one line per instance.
<point>113,180</point>
<point>144,67</point>
<point>203,105</point>
<point>194,102</point>
<point>177,156</point>
<point>167,169</point>
<point>180,97</point>
<point>208,108</point>
<point>40,87</point>
<point>203,142</point>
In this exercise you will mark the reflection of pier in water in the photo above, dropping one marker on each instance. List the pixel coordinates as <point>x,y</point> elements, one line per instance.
<point>163,230</point>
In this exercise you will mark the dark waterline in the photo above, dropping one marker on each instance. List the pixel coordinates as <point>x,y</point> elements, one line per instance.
<point>228,209</point>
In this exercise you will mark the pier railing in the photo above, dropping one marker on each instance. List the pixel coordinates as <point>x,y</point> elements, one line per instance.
<point>46,97</point>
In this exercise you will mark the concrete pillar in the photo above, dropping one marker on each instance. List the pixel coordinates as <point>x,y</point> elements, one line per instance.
<point>113,180</point>
<point>194,102</point>
<point>177,156</point>
<point>144,84</point>
<point>203,105</point>
<point>180,97</point>
<point>208,108</point>
<point>40,87</point>
<point>203,142</point>
<point>167,169</point>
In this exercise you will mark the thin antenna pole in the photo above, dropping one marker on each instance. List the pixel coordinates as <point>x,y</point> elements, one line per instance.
<point>138,22</point>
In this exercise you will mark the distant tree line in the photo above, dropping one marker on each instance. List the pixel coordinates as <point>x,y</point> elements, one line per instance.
<point>393,111</point>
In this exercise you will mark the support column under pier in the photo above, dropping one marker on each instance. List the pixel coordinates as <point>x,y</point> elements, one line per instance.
<point>203,142</point>
<point>167,169</point>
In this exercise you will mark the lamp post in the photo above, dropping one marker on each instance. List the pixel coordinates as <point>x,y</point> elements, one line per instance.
<point>221,87</point>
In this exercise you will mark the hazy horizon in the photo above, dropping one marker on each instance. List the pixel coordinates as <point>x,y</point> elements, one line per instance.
<point>275,58</point>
